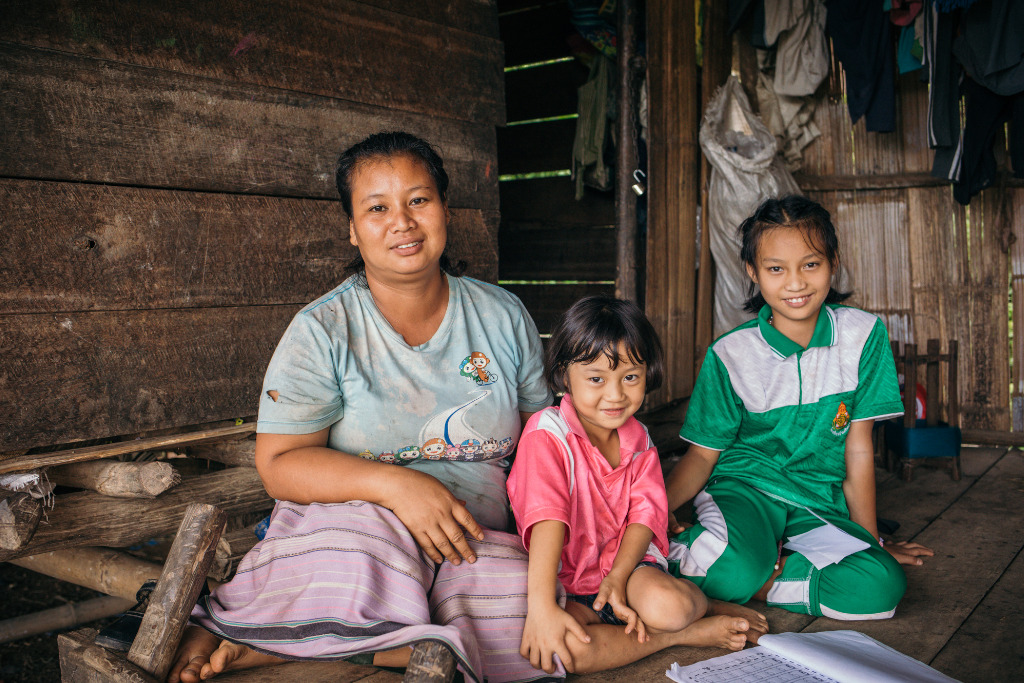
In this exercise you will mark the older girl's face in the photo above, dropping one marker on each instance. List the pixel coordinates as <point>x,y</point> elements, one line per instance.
<point>399,221</point>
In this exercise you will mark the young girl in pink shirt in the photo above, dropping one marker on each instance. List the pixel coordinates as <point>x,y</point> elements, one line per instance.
<point>589,500</point>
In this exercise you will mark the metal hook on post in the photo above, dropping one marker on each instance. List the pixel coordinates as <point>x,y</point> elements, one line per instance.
<point>640,186</point>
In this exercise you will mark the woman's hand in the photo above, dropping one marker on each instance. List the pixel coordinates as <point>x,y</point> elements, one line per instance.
<point>906,552</point>
<point>612,591</point>
<point>437,520</point>
<point>545,634</point>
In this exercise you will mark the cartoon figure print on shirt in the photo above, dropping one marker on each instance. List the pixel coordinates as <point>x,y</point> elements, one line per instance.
<point>841,422</point>
<point>448,435</point>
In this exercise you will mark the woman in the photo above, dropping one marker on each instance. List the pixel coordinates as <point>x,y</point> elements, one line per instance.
<point>381,537</point>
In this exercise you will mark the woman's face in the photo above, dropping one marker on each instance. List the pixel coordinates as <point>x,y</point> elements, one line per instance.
<point>399,221</point>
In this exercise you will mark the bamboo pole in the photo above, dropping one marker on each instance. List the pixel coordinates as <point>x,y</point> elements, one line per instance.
<point>65,616</point>
<point>117,479</point>
<point>102,569</point>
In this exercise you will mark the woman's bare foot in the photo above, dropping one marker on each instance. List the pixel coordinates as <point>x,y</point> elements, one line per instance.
<point>757,621</point>
<point>717,631</point>
<point>202,656</point>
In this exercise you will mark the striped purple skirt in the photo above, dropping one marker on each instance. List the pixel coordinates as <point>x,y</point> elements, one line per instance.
<point>332,581</point>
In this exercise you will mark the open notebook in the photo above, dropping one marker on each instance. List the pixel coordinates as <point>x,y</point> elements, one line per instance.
<point>840,656</point>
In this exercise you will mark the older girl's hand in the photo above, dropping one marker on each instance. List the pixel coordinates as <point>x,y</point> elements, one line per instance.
<point>437,520</point>
<point>906,552</point>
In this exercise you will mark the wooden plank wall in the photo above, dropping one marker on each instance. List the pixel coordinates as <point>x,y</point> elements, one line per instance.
<point>167,194</point>
<point>928,266</point>
<point>554,249</point>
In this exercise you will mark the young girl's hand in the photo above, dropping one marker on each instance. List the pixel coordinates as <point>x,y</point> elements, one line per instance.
<point>613,592</point>
<point>546,634</point>
<point>906,552</point>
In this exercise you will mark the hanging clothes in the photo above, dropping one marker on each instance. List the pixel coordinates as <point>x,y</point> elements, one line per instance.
<point>944,75</point>
<point>862,41</point>
<point>986,112</point>
<point>797,29</point>
<point>592,130</point>
<point>991,46</point>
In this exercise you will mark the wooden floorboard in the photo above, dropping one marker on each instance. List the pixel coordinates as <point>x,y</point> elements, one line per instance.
<point>988,646</point>
<point>975,540</point>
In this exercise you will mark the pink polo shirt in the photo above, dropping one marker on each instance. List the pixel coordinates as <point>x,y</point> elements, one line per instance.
<point>559,475</point>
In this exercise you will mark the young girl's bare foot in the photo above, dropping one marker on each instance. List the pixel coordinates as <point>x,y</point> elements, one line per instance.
<point>716,631</point>
<point>757,621</point>
<point>202,656</point>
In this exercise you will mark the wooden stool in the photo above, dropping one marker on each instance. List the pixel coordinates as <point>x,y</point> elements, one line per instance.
<point>911,442</point>
<point>152,652</point>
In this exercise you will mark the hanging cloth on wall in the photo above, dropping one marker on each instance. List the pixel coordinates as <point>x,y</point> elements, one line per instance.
<point>991,45</point>
<point>986,112</point>
<point>861,39</point>
<point>588,164</point>
<point>744,172</point>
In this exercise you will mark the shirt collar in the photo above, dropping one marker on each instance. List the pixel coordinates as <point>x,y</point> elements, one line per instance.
<point>824,332</point>
<point>632,435</point>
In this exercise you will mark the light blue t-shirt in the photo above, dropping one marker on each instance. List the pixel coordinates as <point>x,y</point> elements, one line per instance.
<point>449,407</point>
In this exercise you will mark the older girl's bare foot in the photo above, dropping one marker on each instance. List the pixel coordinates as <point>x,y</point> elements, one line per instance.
<point>757,621</point>
<point>762,593</point>
<point>202,656</point>
<point>715,631</point>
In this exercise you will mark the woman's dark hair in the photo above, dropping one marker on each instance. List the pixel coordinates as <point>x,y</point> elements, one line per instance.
<point>792,211</point>
<point>382,146</point>
<point>596,325</point>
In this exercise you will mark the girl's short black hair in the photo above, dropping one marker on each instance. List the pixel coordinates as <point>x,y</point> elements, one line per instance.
<point>382,146</point>
<point>792,211</point>
<point>596,325</point>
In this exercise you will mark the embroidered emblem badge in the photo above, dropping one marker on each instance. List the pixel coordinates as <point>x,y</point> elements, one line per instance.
<point>841,422</point>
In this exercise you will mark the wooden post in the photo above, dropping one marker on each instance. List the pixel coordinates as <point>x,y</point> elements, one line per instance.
<point>626,157</point>
<point>674,182</point>
<point>117,479</point>
<point>178,589</point>
<point>952,388</point>
<point>19,517</point>
<point>430,662</point>
<point>932,383</point>
<point>909,385</point>
<point>714,74</point>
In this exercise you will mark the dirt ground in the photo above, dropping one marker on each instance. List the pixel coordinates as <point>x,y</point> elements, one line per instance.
<point>34,660</point>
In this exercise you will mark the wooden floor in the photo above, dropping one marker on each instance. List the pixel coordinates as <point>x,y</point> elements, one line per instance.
<point>963,612</point>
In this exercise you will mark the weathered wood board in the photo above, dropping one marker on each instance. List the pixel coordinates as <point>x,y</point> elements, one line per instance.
<point>90,519</point>
<point>336,49</point>
<point>109,122</point>
<point>79,247</point>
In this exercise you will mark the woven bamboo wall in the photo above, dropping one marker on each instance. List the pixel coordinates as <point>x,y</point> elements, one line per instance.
<point>928,266</point>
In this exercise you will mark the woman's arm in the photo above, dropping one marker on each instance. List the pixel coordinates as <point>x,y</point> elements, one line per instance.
<point>300,468</point>
<point>859,490</point>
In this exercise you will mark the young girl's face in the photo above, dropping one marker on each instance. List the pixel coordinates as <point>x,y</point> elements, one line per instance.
<point>794,277</point>
<point>606,397</point>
